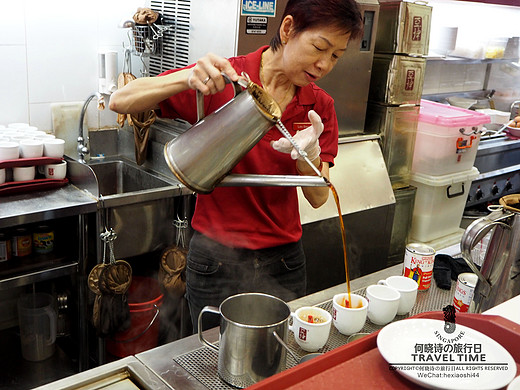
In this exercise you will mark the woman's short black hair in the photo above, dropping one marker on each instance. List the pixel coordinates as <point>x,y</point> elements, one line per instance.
<point>307,14</point>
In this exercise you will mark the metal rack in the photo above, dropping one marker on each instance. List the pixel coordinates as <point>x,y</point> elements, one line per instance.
<point>147,39</point>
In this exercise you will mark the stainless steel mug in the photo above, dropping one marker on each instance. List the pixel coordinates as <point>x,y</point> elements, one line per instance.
<point>206,152</point>
<point>499,275</point>
<point>248,351</point>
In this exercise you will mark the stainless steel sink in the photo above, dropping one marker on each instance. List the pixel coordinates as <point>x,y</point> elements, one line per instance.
<point>119,177</point>
<point>139,204</point>
<point>121,182</point>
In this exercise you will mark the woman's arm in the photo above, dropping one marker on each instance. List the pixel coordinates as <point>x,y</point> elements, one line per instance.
<point>146,93</point>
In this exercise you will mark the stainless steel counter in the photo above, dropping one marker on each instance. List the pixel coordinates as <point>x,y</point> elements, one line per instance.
<point>162,360</point>
<point>45,205</point>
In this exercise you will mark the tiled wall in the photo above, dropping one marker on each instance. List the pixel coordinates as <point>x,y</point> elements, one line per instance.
<point>48,54</point>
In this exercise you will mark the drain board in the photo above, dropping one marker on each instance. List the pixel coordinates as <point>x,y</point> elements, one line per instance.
<point>202,363</point>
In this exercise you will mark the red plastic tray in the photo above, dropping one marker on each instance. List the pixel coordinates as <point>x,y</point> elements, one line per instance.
<point>21,187</point>
<point>359,365</point>
<point>23,162</point>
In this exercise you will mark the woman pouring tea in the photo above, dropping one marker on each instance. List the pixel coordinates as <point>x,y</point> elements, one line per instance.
<point>248,239</point>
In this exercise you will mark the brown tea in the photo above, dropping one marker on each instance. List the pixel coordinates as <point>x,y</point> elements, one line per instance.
<point>343,235</point>
<point>346,303</point>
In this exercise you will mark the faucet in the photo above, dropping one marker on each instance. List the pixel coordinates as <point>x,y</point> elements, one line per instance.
<point>82,145</point>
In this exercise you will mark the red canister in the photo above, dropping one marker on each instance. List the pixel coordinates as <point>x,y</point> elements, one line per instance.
<point>464,291</point>
<point>418,264</point>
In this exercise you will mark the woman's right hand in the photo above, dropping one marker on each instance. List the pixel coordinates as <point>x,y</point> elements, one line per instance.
<point>206,74</point>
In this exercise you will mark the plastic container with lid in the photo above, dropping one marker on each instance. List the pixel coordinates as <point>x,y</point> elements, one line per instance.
<point>447,139</point>
<point>439,204</point>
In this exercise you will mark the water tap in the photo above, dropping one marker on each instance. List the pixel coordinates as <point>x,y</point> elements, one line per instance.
<point>82,144</point>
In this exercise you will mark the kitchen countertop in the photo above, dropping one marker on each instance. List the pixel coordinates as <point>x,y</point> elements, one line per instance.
<point>45,205</point>
<point>161,360</point>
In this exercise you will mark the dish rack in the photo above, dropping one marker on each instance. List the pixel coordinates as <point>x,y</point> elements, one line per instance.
<point>37,184</point>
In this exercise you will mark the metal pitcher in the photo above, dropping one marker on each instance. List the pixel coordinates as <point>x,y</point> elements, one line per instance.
<point>248,351</point>
<point>499,276</point>
<point>202,156</point>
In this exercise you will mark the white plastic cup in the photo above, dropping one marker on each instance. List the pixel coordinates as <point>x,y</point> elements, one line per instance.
<point>53,147</point>
<point>24,173</point>
<point>407,287</point>
<point>9,150</point>
<point>55,171</point>
<point>383,302</point>
<point>30,148</point>
<point>311,336</point>
<point>349,320</point>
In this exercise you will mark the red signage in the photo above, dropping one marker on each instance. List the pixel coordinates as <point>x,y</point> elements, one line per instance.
<point>410,80</point>
<point>417,28</point>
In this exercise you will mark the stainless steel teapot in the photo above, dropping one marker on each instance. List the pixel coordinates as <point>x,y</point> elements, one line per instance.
<point>202,157</point>
<point>499,275</point>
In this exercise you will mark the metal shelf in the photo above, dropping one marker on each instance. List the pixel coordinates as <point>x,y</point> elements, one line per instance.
<point>26,270</point>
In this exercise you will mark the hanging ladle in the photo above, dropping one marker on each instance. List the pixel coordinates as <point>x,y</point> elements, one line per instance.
<point>296,358</point>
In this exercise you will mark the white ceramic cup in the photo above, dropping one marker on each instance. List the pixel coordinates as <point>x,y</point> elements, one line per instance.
<point>55,171</point>
<point>383,302</point>
<point>9,150</point>
<point>44,136</point>
<point>352,319</point>
<point>18,125</point>
<point>2,175</point>
<point>53,147</point>
<point>23,173</point>
<point>310,336</point>
<point>31,148</point>
<point>19,137</point>
<point>407,287</point>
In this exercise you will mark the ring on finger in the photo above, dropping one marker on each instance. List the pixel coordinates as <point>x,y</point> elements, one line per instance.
<point>206,80</point>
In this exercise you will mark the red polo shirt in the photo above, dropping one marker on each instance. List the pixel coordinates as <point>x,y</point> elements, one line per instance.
<point>257,217</point>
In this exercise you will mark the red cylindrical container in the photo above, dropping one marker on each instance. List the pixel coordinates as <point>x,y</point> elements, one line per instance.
<point>418,264</point>
<point>464,291</point>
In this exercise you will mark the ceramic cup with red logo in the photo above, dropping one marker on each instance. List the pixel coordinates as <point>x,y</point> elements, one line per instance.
<point>349,320</point>
<point>311,327</point>
<point>55,171</point>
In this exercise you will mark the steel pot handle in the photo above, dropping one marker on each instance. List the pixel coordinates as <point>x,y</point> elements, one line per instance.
<point>468,242</point>
<point>207,309</point>
<point>200,96</point>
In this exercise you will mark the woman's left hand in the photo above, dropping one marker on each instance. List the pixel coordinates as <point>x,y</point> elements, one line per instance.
<point>206,74</point>
<point>307,140</point>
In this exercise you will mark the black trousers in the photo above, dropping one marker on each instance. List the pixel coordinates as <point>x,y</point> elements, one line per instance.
<point>215,272</point>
